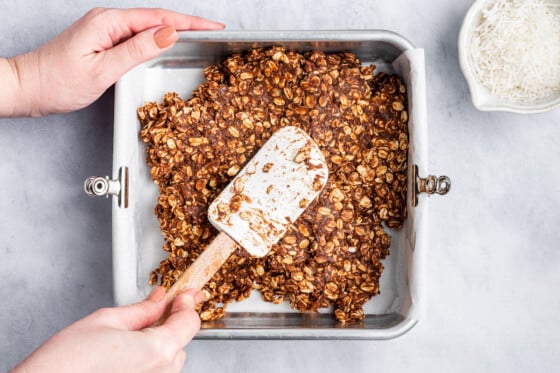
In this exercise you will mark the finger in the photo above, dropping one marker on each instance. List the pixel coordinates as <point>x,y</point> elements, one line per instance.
<point>183,322</point>
<point>139,19</point>
<point>186,301</point>
<point>157,294</point>
<point>140,48</point>
<point>140,315</point>
<point>199,296</point>
<point>123,23</point>
<point>179,361</point>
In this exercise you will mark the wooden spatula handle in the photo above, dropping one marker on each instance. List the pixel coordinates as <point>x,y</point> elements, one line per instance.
<point>203,268</point>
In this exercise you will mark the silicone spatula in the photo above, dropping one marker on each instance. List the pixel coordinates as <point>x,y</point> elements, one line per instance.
<point>257,207</point>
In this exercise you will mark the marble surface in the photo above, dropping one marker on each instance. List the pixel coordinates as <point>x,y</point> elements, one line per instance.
<point>492,266</point>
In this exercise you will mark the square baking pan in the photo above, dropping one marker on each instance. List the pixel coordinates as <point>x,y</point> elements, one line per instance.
<point>137,239</point>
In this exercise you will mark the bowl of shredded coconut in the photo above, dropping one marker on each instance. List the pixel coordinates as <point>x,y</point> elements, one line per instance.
<point>509,52</point>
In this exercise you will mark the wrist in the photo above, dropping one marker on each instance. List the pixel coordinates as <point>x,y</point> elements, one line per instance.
<point>16,77</point>
<point>11,89</point>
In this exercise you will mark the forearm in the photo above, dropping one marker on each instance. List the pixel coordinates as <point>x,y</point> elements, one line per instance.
<point>15,101</point>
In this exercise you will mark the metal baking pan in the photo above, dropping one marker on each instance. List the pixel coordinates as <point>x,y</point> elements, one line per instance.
<point>137,240</point>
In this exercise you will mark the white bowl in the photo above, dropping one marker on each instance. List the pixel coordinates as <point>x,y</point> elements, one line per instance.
<point>481,96</point>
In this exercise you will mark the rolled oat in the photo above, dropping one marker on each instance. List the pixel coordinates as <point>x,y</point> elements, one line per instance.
<point>332,254</point>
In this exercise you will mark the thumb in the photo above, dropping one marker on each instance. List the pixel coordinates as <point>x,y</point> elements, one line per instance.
<point>183,322</point>
<point>140,48</point>
<point>143,314</point>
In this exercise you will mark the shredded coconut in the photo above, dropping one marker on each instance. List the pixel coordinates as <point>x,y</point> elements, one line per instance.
<point>515,49</point>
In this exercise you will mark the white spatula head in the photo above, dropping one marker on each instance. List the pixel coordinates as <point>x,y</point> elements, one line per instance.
<point>271,191</point>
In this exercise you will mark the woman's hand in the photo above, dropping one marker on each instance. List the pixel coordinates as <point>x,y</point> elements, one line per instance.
<point>76,67</point>
<point>121,339</point>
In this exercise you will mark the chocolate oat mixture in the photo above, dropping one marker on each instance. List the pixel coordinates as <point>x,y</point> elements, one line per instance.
<point>332,254</point>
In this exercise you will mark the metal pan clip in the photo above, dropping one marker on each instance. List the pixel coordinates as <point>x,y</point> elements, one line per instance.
<point>103,186</point>
<point>429,185</point>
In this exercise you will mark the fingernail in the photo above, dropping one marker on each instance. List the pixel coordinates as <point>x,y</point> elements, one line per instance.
<point>199,297</point>
<point>223,25</point>
<point>157,294</point>
<point>165,36</point>
<point>188,300</point>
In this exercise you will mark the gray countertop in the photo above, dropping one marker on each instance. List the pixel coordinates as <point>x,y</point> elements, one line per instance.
<point>492,264</point>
